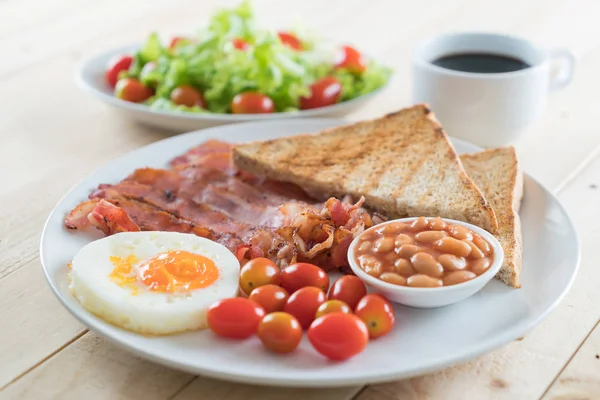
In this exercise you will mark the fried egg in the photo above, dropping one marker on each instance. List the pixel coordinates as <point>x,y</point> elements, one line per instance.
<point>154,283</point>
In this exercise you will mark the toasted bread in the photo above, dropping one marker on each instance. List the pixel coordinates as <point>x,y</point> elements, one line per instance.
<point>498,175</point>
<point>402,163</point>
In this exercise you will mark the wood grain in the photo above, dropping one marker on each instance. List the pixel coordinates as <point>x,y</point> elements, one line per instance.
<point>55,135</point>
<point>581,377</point>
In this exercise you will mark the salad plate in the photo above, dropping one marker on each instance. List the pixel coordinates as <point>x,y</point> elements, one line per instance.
<point>293,75</point>
<point>91,79</point>
<point>423,340</point>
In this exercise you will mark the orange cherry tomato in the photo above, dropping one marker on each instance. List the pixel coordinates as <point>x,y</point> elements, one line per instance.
<point>304,303</point>
<point>252,103</point>
<point>349,58</point>
<point>270,297</point>
<point>333,306</point>
<point>240,44</point>
<point>338,336</point>
<point>115,66</point>
<point>349,289</point>
<point>324,92</point>
<point>300,275</point>
<point>176,41</point>
<point>290,40</point>
<point>377,313</point>
<point>259,272</point>
<point>280,332</point>
<point>130,89</point>
<point>235,318</point>
<point>187,96</point>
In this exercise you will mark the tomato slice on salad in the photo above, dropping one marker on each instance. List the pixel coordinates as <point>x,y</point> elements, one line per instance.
<point>351,59</point>
<point>290,40</point>
<point>115,66</point>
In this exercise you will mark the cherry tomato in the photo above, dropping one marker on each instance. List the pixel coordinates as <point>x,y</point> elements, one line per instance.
<point>304,303</point>
<point>188,96</point>
<point>115,66</point>
<point>177,40</point>
<point>280,332</point>
<point>349,289</point>
<point>338,336</point>
<point>130,89</point>
<point>259,272</point>
<point>377,313</point>
<point>270,297</point>
<point>236,317</point>
<point>252,103</point>
<point>290,40</point>
<point>240,44</point>
<point>300,275</point>
<point>351,59</point>
<point>333,306</point>
<point>324,92</point>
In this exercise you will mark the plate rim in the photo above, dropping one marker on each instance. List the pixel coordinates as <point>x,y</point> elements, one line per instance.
<point>101,95</point>
<point>483,347</point>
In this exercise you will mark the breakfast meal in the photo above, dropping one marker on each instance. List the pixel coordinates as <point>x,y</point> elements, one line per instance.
<point>424,253</point>
<point>241,238</point>
<point>231,66</point>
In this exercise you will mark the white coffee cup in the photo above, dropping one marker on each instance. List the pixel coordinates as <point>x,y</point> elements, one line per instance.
<point>488,109</point>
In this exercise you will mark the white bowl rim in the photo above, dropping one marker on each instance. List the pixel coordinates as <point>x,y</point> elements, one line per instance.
<point>103,95</point>
<point>486,276</point>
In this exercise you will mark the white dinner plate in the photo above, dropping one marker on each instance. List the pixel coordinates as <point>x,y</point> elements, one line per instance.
<point>423,340</point>
<point>91,79</point>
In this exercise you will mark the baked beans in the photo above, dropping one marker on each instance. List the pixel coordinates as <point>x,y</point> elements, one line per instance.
<point>427,252</point>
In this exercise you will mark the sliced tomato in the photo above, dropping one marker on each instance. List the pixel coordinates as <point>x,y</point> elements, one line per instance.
<point>240,44</point>
<point>290,40</point>
<point>130,89</point>
<point>115,66</point>
<point>252,103</point>
<point>351,59</point>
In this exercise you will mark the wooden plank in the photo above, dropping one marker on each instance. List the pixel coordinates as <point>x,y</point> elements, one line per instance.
<point>213,389</point>
<point>94,369</point>
<point>523,368</point>
<point>34,324</point>
<point>581,377</point>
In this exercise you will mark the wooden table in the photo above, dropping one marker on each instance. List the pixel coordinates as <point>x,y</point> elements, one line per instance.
<point>52,135</point>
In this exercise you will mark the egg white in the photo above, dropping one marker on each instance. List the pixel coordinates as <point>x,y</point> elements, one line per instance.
<point>140,309</point>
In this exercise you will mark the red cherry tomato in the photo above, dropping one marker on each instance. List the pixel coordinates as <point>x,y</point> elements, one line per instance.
<point>130,89</point>
<point>115,66</point>
<point>252,103</point>
<point>349,289</point>
<point>338,336</point>
<point>280,332</point>
<point>236,317</point>
<point>188,96</point>
<point>300,275</point>
<point>349,58</point>
<point>324,92</point>
<point>270,297</point>
<point>377,313</point>
<point>240,44</point>
<point>259,272</point>
<point>290,40</point>
<point>304,303</point>
<point>177,40</point>
<point>333,306</point>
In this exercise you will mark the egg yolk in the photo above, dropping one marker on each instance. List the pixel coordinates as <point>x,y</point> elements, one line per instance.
<point>171,271</point>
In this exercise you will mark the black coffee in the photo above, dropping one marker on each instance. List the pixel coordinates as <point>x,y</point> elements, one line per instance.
<point>485,63</point>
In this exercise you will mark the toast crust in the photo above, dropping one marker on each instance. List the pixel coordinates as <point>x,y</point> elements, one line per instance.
<point>403,163</point>
<point>498,173</point>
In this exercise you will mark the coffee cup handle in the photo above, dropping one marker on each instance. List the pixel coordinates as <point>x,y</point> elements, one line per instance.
<point>564,62</point>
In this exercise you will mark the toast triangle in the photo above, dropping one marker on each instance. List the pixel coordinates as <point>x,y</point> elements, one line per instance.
<point>403,163</point>
<point>498,174</point>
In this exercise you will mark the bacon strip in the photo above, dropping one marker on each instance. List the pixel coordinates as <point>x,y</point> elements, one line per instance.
<point>203,194</point>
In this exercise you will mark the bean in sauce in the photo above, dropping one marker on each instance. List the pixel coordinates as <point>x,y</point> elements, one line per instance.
<point>427,252</point>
